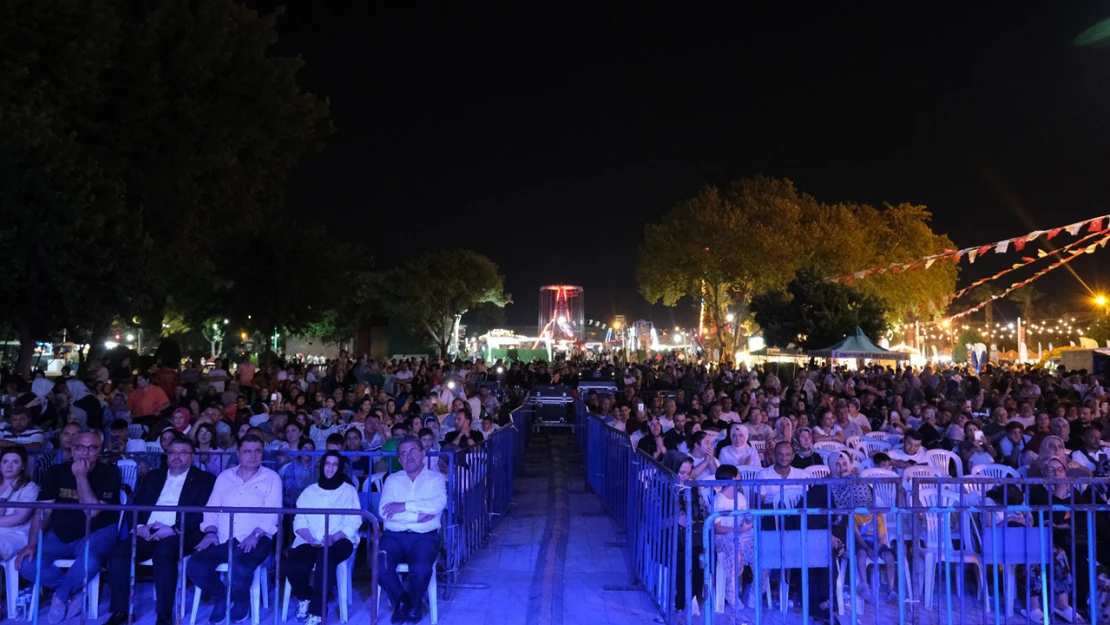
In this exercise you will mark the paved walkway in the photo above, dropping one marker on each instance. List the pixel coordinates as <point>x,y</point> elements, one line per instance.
<point>557,559</point>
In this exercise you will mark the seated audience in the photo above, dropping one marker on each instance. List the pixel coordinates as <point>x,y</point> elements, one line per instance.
<point>412,503</point>
<point>82,480</point>
<point>249,485</point>
<point>16,486</point>
<point>177,484</point>
<point>337,535</point>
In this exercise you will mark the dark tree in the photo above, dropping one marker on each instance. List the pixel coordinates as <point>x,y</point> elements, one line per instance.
<point>813,313</point>
<point>141,142</point>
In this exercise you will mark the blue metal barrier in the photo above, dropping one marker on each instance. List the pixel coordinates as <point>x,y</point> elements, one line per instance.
<point>132,511</point>
<point>910,535</point>
<point>653,528</point>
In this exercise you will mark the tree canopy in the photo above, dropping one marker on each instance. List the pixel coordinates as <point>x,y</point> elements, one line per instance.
<point>731,245</point>
<point>431,293</point>
<point>726,246</point>
<point>814,313</point>
<point>142,141</point>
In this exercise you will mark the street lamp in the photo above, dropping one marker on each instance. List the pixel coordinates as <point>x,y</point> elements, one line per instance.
<point>730,317</point>
<point>1100,300</point>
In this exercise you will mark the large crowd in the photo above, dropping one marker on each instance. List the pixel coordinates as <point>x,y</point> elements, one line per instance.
<point>221,439</point>
<point>811,423</point>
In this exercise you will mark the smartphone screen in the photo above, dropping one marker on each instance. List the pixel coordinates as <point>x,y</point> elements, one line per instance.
<point>978,435</point>
<point>640,407</point>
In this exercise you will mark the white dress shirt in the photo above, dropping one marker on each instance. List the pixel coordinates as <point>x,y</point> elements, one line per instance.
<point>791,492</point>
<point>343,498</point>
<point>171,494</point>
<point>262,490</point>
<point>427,494</point>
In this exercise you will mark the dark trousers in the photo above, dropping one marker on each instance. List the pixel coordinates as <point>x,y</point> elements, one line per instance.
<point>300,565</point>
<point>419,552</point>
<point>164,553</point>
<point>202,569</point>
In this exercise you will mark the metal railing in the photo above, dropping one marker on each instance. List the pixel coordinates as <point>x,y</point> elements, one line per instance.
<point>480,481</point>
<point>923,541</point>
<point>129,519</point>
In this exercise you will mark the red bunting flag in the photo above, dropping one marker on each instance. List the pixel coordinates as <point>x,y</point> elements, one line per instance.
<point>1019,243</point>
<point>1096,225</point>
<point>1052,233</point>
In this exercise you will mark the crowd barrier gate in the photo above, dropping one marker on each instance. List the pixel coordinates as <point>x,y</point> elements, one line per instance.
<point>1018,553</point>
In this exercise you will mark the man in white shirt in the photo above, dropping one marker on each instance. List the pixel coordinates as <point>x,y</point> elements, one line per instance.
<point>728,415</point>
<point>411,505</point>
<point>179,483</point>
<point>249,485</point>
<point>782,470</point>
<point>912,452</point>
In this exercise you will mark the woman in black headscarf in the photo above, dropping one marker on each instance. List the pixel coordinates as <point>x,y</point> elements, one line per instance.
<point>338,539</point>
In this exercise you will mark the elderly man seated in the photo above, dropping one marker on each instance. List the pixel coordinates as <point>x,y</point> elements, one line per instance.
<point>411,505</point>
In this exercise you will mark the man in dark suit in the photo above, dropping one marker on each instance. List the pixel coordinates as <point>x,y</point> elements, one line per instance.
<point>158,533</point>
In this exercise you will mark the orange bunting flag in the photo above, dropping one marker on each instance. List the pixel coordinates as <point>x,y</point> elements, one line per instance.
<point>1096,225</point>
<point>1019,244</point>
<point>1053,233</point>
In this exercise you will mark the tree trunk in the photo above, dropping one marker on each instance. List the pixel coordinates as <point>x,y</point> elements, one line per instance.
<point>26,348</point>
<point>99,335</point>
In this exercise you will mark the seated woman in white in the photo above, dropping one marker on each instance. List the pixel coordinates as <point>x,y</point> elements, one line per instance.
<point>338,539</point>
<point>739,453</point>
<point>15,486</point>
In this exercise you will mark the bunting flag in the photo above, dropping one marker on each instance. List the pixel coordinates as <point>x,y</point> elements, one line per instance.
<point>1072,255</point>
<point>1025,262</point>
<point>1017,244</point>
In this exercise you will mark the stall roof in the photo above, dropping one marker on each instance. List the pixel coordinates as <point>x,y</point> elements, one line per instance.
<point>857,345</point>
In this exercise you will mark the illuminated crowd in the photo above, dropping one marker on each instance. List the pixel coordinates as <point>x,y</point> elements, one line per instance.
<point>270,436</point>
<point>822,425</point>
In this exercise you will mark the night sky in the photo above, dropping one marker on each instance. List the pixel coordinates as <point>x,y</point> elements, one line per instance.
<point>547,138</point>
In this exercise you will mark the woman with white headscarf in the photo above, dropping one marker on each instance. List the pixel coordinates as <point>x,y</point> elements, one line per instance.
<point>40,401</point>
<point>84,407</point>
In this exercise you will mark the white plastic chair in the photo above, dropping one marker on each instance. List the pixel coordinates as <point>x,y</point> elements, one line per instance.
<point>1011,547</point>
<point>943,460</point>
<point>92,588</point>
<point>853,441</point>
<point>870,448</point>
<point>11,585</point>
<point>877,436</point>
<point>136,432</point>
<point>824,448</point>
<point>433,605</point>
<point>909,474</point>
<point>818,471</point>
<point>258,593</point>
<point>998,471</point>
<point>154,447</point>
<point>939,551</point>
<point>343,584</point>
<point>129,473</point>
<point>760,446</point>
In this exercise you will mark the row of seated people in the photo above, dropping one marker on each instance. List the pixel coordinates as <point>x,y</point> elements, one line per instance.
<point>411,505</point>
<point>734,536</point>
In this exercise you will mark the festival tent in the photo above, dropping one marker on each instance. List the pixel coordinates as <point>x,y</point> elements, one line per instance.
<point>857,346</point>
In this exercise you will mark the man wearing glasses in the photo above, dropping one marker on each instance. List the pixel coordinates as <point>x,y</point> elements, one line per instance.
<point>82,480</point>
<point>157,533</point>
<point>412,503</point>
